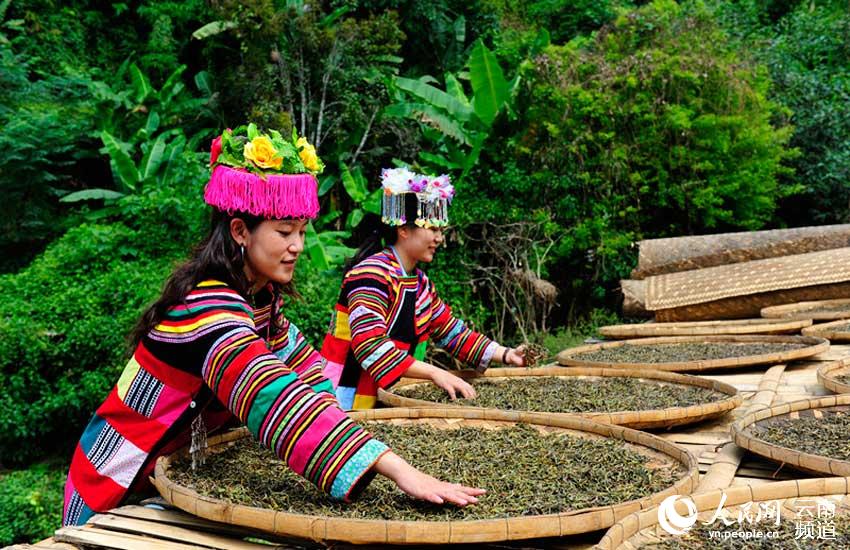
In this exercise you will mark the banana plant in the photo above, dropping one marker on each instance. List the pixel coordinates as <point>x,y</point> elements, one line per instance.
<point>149,152</point>
<point>325,248</point>
<point>158,159</point>
<point>459,125</point>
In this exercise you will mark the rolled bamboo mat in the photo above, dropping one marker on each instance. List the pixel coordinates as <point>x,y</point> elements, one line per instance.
<point>643,527</point>
<point>834,331</point>
<point>659,256</point>
<point>326,528</point>
<point>743,436</point>
<point>638,419</point>
<point>818,310</point>
<point>722,471</point>
<point>634,298</point>
<point>813,347</point>
<point>828,376</point>
<point>705,328</point>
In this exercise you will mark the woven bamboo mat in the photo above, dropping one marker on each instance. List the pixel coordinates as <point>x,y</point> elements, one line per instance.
<point>716,283</point>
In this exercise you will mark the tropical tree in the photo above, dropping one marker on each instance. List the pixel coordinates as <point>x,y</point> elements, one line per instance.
<point>458,126</point>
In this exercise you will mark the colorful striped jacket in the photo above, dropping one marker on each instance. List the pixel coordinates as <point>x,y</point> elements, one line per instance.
<point>216,349</point>
<point>382,322</point>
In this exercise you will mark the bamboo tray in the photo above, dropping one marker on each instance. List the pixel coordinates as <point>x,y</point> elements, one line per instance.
<point>828,376</point>
<point>807,462</point>
<point>705,328</point>
<point>828,331</point>
<point>641,528</point>
<point>803,310</point>
<point>813,347</point>
<point>643,419</point>
<point>324,528</point>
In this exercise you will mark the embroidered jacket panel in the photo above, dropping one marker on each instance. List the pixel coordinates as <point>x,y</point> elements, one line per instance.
<point>215,348</point>
<point>381,323</point>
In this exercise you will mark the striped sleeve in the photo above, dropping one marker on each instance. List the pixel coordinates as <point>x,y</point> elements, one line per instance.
<point>367,287</point>
<point>452,334</point>
<point>305,429</point>
<point>295,351</point>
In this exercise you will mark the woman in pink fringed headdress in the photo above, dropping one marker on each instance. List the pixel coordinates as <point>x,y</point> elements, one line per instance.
<point>216,348</point>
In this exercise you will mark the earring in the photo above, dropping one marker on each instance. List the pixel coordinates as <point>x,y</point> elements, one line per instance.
<point>242,252</point>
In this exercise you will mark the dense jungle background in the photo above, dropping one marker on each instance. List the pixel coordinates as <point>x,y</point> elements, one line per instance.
<point>571,129</point>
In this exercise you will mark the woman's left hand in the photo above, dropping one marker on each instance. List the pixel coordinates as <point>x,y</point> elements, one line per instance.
<point>515,357</point>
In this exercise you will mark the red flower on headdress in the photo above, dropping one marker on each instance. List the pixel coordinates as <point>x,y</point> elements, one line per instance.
<point>215,150</point>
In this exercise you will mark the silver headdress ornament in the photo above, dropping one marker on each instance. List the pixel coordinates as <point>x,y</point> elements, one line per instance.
<point>433,195</point>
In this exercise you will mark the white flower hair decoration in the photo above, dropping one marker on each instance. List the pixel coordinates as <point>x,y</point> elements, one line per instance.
<point>433,195</point>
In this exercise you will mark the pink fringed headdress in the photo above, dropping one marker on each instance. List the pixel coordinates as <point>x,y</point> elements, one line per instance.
<point>263,175</point>
<point>273,196</point>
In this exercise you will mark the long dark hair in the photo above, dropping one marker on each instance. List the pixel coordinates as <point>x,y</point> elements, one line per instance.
<point>380,235</point>
<point>219,257</point>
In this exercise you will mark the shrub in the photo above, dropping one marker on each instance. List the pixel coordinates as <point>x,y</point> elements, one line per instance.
<point>31,502</point>
<point>65,317</point>
<point>654,127</point>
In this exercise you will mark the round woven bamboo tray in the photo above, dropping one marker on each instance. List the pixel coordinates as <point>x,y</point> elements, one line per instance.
<point>828,376</point>
<point>813,347</point>
<point>640,420</point>
<point>705,328</point>
<point>802,310</point>
<point>745,438</point>
<point>440,532</point>
<point>642,527</point>
<point>829,331</point>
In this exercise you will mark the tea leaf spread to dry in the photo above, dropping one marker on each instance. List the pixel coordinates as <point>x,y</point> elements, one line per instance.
<point>524,472</point>
<point>570,394</point>
<point>678,353</point>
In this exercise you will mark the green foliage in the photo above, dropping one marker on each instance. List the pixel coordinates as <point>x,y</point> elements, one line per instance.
<point>64,323</point>
<point>319,291</point>
<point>806,49</point>
<point>31,502</point>
<point>461,125</point>
<point>653,128</point>
<point>575,334</point>
<point>45,124</point>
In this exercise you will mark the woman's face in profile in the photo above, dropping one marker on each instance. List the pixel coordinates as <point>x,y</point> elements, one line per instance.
<point>272,249</point>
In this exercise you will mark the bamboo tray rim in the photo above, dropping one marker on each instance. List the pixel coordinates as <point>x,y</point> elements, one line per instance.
<point>815,346</point>
<point>621,532</point>
<point>745,438</point>
<point>644,418</point>
<point>366,531</point>
<point>759,325</point>
<point>799,309</point>
<point>826,376</point>
<point>823,330</point>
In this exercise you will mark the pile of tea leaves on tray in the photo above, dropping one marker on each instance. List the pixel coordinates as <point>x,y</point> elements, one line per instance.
<point>842,308</point>
<point>836,328</point>
<point>826,436</point>
<point>683,352</point>
<point>525,473</point>
<point>843,378</point>
<point>699,537</point>
<point>570,394</point>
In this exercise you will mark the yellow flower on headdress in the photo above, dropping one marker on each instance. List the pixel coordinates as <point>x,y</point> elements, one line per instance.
<point>261,152</point>
<point>308,155</point>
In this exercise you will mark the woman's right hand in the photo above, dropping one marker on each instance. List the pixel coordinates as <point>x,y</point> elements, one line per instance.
<point>422,486</point>
<point>454,385</point>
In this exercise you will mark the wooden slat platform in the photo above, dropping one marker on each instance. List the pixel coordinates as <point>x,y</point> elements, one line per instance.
<point>721,462</point>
